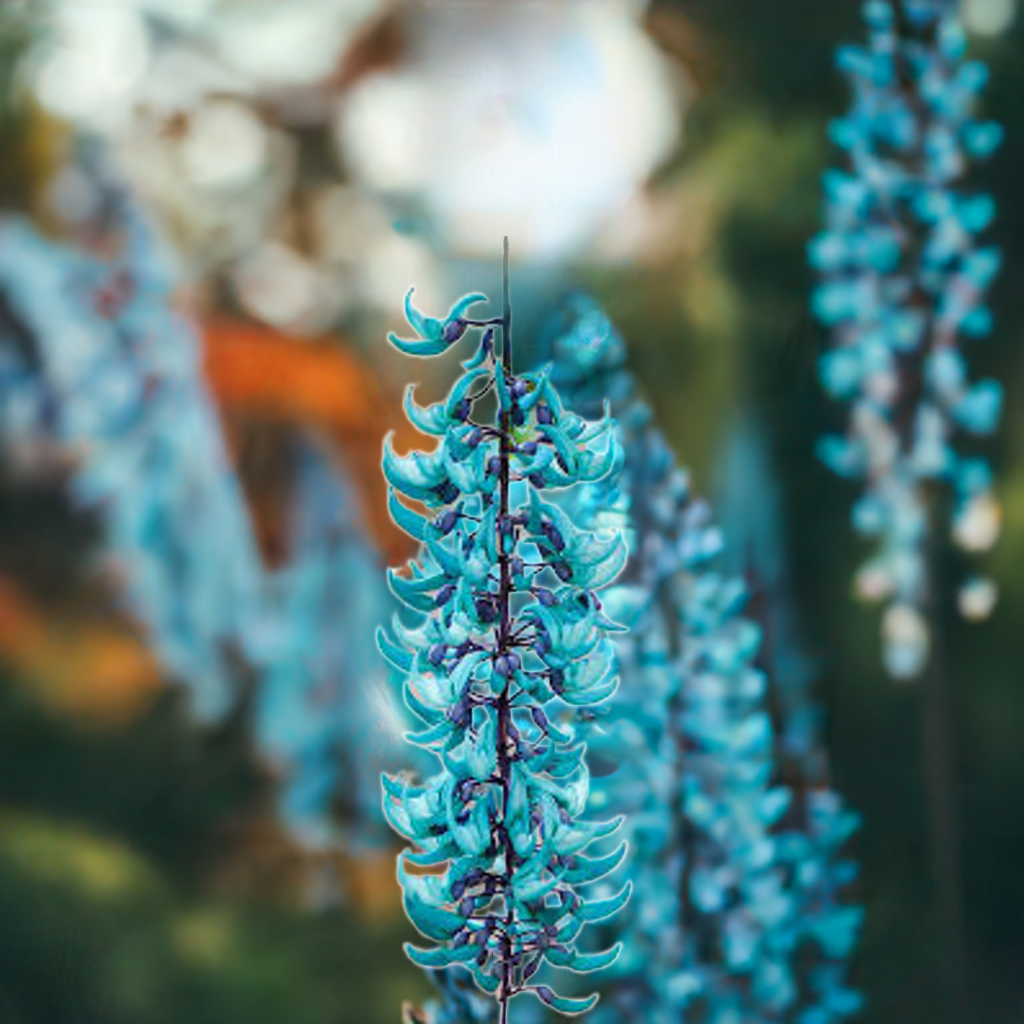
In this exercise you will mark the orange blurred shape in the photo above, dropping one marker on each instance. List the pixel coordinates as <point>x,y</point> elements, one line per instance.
<point>98,670</point>
<point>317,383</point>
<point>371,883</point>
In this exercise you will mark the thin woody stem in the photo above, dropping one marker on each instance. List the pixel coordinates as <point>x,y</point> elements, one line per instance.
<point>504,637</point>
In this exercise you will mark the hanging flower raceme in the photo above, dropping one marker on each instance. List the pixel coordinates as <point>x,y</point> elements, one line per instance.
<point>903,281</point>
<point>511,634</point>
<point>734,875</point>
<point>108,374</point>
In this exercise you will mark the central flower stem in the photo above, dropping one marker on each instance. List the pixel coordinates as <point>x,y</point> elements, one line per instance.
<point>503,645</point>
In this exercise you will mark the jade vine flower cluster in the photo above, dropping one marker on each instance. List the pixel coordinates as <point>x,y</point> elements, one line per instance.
<point>903,281</point>
<point>99,369</point>
<point>510,635</point>
<point>736,913</point>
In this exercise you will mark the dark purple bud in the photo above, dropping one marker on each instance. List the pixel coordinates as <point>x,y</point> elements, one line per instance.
<point>555,536</point>
<point>563,570</point>
<point>454,329</point>
<point>459,713</point>
<point>546,597</point>
<point>446,521</point>
<point>583,598</point>
<point>531,968</point>
<point>501,665</point>
<point>487,342</point>
<point>518,388</point>
<point>557,678</point>
<point>562,464</point>
<point>486,610</point>
<point>505,525</point>
<point>458,888</point>
<point>463,649</point>
<point>462,937</point>
<point>513,661</point>
<point>474,437</point>
<point>528,448</point>
<point>481,958</point>
<point>516,566</point>
<point>518,416</point>
<point>540,719</point>
<point>544,414</point>
<point>467,906</point>
<point>538,480</point>
<point>462,409</point>
<point>436,655</point>
<point>542,644</point>
<point>447,492</point>
<point>444,595</point>
<point>494,465</point>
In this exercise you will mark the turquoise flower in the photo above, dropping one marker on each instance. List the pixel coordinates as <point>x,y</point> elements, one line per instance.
<point>509,636</point>
<point>903,277</point>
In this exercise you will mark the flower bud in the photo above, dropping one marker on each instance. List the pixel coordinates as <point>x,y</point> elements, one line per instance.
<point>446,521</point>
<point>454,329</point>
<point>563,570</point>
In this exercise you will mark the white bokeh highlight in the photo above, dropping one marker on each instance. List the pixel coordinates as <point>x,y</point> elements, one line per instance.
<point>539,122</point>
<point>988,17</point>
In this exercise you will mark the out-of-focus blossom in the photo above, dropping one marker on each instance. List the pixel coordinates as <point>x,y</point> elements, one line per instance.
<point>114,377</point>
<point>903,281</point>
<point>977,599</point>
<point>988,17</point>
<point>733,873</point>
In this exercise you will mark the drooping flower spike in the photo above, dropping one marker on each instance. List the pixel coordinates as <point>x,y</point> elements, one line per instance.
<point>510,635</point>
<point>736,913</point>
<point>903,283</point>
<point>109,374</point>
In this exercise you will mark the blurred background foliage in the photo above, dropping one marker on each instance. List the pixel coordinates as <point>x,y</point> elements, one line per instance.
<point>145,872</point>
